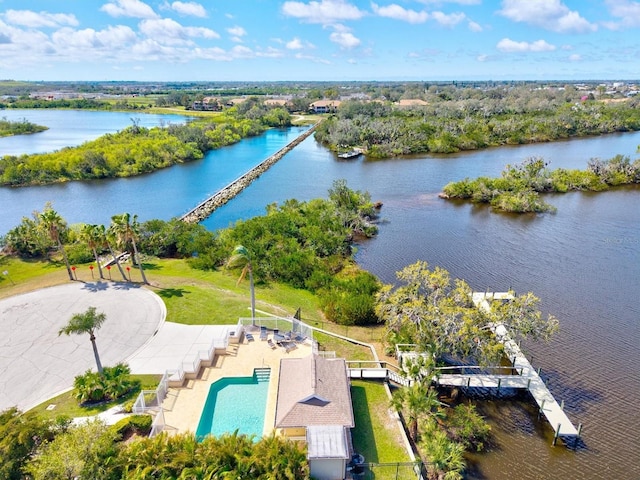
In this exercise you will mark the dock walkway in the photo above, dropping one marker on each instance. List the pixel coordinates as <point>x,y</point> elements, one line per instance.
<point>525,377</point>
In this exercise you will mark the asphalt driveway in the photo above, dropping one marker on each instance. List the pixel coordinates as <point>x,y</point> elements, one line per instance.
<point>36,363</point>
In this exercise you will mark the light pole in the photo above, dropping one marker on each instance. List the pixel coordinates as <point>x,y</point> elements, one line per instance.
<point>6,274</point>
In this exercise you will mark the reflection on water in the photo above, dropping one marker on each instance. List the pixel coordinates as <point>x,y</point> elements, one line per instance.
<point>583,262</point>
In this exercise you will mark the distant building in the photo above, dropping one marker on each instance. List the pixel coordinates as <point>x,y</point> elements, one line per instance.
<point>210,104</point>
<point>325,106</point>
<point>314,405</point>
<point>411,102</point>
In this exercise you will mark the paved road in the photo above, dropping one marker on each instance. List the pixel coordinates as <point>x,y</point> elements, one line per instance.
<point>36,363</point>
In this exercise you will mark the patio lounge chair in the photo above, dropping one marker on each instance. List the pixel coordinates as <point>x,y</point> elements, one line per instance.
<point>263,333</point>
<point>290,346</point>
<point>271,344</point>
<point>249,337</point>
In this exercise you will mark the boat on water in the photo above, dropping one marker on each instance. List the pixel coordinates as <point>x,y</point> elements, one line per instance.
<point>350,154</point>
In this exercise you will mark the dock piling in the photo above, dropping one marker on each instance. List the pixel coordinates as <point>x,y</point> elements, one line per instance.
<point>557,434</point>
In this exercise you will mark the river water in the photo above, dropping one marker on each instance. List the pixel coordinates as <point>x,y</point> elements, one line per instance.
<point>583,262</point>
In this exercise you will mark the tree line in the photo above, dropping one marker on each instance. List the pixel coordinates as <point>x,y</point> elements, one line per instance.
<point>450,123</point>
<point>137,150</point>
<point>518,188</point>
<point>39,449</point>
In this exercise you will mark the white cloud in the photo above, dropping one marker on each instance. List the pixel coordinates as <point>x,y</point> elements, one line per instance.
<point>460,2</point>
<point>189,8</point>
<point>111,38</point>
<point>324,11</point>
<point>575,57</point>
<point>294,44</point>
<point>344,39</point>
<point>627,11</point>
<point>240,51</point>
<point>400,13</point>
<point>28,18</point>
<point>482,58</point>
<point>129,8</point>
<point>300,56</point>
<point>548,14</point>
<point>166,31</point>
<point>474,27</point>
<point>511,46</point>
<point>448,20</point>
<point>237,31</point>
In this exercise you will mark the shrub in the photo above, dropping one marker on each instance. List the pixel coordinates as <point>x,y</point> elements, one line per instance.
<point>468,427</point>
<point>134,424</point>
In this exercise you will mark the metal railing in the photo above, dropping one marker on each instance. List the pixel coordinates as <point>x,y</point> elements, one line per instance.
<point>158,424</point>
<point>282,324</point>
<point>152,399</point>
<point>388,471</point>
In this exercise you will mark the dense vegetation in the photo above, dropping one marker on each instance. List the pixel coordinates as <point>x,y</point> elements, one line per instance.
<point>437,314</point>
<point>31,447</point>
<point>302,244</point>
<point>22,127</point>
<point>453,119</point>
<point>137,150</point>
<point>438,317</point>
<point>518,188</point>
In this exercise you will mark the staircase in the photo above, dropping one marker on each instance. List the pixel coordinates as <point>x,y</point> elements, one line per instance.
<point>262,374</point>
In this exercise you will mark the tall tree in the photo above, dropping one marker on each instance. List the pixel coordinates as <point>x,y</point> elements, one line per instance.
<point>54,223</point>
<point>104,235</point>
<point>86,322</point>
<point>439,315</point>
<point>95,239</point>
<point>241,258</point>
<point>125,229</point>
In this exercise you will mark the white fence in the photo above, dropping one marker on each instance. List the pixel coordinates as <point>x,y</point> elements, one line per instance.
<point>281,324</point>
<point>152,399</point>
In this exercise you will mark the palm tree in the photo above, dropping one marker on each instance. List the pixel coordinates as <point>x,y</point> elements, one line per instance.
<point>104,235</point>
<point>86,322</point>
<point>95,239</point>
<point>53,223</point>
<point>241,258</point>
<point>126,231</point>
<point>415,402</point>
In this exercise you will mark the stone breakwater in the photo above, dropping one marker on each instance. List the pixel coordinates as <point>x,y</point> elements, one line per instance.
<point>206,208</point>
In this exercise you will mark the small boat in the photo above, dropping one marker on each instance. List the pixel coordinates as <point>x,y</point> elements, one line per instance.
<point>350,154</point>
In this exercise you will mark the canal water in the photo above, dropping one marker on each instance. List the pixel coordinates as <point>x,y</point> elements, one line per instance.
<point>583,262</point>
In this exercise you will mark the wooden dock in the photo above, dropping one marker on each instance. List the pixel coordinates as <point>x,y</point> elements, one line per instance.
<point>525,377</point>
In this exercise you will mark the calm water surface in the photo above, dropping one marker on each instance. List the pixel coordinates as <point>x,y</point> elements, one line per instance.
<point>583,262</point>
<point>72,127</point>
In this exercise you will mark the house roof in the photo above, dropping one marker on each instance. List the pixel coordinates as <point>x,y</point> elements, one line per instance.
<point>326,103</point>
<point>327,441</point>
<point>313,391</point>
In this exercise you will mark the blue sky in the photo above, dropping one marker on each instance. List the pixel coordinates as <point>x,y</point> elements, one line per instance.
<point>268,40</point>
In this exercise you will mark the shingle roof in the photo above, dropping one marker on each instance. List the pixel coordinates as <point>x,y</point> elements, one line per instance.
<point>313,391</point>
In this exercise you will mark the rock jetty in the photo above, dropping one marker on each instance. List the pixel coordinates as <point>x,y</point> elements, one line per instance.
<point>206,208</point>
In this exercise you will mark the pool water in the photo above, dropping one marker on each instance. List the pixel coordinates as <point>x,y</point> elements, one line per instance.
<point>235,403</point>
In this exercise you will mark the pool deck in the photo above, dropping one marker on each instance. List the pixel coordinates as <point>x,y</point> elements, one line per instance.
<point>183,405</point>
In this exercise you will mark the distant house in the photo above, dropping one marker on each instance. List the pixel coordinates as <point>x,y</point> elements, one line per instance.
<point>314,405</point>
<point>411,102</point>
<point>325,106</point>
<point>276,102</point>
<point>209,104</point>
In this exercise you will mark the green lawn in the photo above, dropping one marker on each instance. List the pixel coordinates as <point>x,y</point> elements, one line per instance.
<point>376,435</point>
<point>66,404</point>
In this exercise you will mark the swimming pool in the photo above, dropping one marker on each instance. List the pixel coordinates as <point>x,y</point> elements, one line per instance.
<point>235,403</point>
